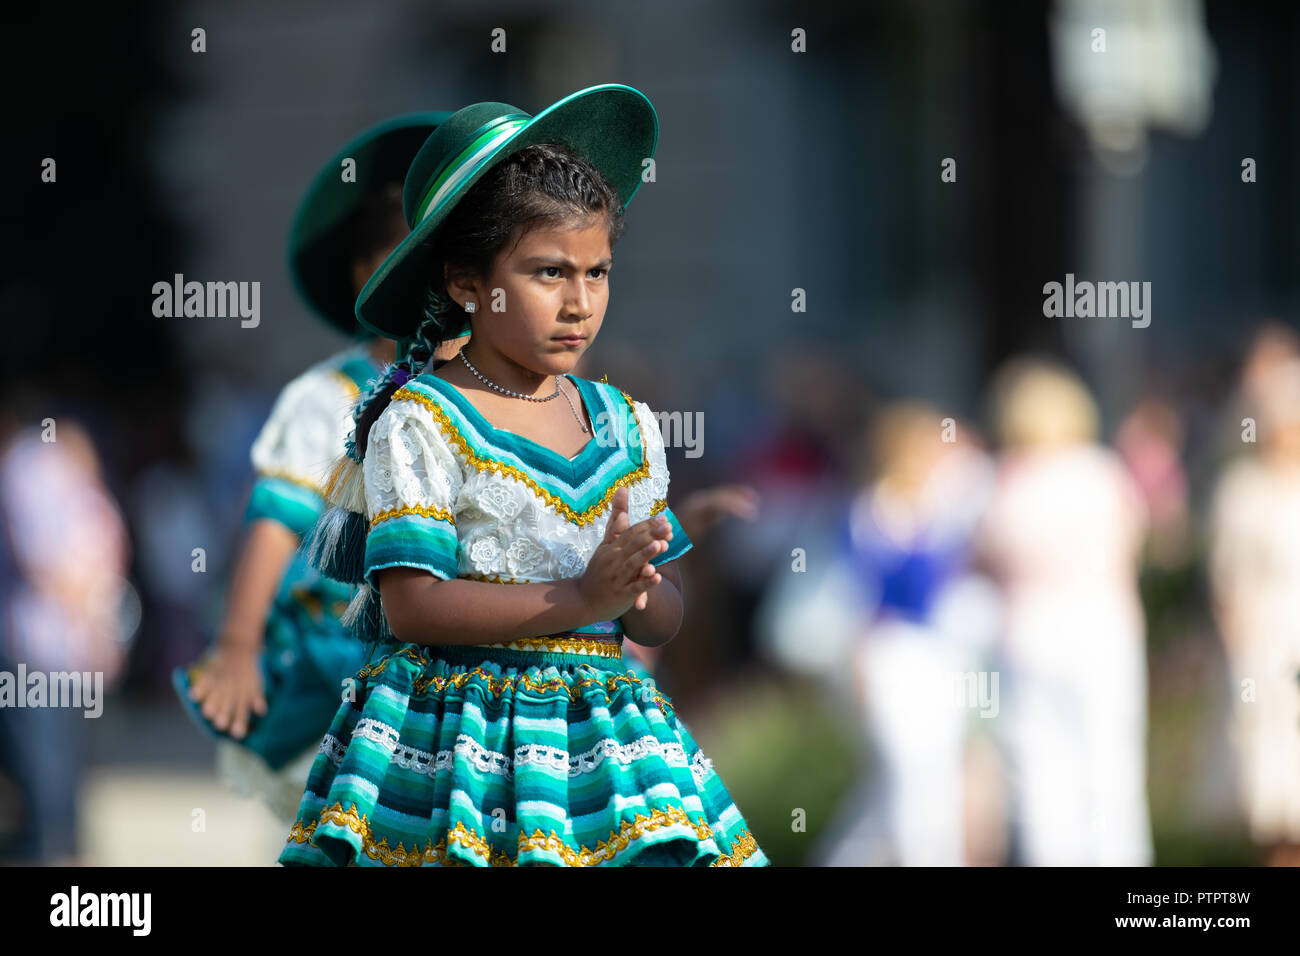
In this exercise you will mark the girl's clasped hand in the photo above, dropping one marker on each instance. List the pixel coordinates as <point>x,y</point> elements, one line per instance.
<point>619,575</point>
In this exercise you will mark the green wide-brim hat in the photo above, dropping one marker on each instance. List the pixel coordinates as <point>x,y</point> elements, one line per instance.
<point>612,126</point>
<point>319,245</point>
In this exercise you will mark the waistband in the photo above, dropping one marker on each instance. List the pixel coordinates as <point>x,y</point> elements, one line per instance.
<point>599,644</point>
<point>548,651</point>
<point>581,642</point>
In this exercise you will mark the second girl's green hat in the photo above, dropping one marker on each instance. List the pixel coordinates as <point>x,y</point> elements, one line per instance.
<point>612,126</point>
<point>320,243</point>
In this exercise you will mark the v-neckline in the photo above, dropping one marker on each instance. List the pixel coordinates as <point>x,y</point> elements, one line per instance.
<point>587,398</point>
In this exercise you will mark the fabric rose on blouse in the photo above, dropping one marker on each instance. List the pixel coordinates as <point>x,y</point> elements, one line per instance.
<point>524,556</point>
<point>486,554</point>
<point>570,562</point>
<point>382,472</point>
<point>407,448</point>
<point>502,501</point>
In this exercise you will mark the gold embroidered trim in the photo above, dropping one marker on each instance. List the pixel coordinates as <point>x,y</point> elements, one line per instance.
<point>497,685</point>
<point>563,645</point>
<point>658,506</point>
<point>744,847</point>
<point>429,511</point>
<point>293,480</point>
<point>468,837</point>
<point>490,465</point>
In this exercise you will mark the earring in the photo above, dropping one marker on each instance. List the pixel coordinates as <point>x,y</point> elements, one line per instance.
<point>470,306</point>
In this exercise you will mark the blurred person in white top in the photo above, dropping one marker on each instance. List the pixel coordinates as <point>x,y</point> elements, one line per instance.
<point>1255,579</point>
<point>1063,535</point>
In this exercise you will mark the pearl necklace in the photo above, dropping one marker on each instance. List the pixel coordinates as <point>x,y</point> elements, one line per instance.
<point>527,398</point>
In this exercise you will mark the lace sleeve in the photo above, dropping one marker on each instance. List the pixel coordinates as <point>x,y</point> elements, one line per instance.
<point>412,478</point>
<point>292,455</point>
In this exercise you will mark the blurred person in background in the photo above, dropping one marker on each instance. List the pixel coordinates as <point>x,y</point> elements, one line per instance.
<point>64,555</point>
<point>1255,582</point>
<point>1062,535</point>
<point>1273,344</point>
<point>274,677</point>
<point>926,617</point>
<point>699,511</point>
<point>1270,343</point>
<point>801,430</point>
<point>1150,441</point>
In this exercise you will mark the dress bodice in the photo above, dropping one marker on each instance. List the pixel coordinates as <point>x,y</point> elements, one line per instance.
<point>447,492</point>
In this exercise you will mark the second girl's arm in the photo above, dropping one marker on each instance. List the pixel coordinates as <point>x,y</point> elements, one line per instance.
<point>229,688</point>
<point>263,558</point>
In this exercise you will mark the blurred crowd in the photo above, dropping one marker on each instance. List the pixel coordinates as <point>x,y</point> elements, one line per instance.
<point>981,615</point>
<point>966,593</point>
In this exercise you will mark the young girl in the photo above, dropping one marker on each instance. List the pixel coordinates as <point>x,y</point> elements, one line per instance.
<point>508,526</point>
<point>271,684</point>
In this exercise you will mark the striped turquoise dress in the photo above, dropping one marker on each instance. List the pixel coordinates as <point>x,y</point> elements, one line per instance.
<point>307,653</point>
<point>543,751</point>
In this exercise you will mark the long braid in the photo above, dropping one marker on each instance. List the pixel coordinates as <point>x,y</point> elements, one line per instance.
<point>337,544</point>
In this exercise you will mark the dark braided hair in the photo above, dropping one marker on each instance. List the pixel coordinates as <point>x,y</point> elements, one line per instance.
<point>539,186</point>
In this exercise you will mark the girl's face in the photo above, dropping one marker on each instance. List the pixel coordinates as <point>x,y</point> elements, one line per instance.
<point>553,287</point>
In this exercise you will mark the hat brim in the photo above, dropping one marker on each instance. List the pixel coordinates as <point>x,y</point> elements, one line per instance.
<point>319,248</point>
<point>614,127</point>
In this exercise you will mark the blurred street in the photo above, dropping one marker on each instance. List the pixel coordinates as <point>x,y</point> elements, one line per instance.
<point>149,773</point>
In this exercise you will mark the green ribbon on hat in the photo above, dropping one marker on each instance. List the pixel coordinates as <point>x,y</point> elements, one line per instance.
<point>470,158</point>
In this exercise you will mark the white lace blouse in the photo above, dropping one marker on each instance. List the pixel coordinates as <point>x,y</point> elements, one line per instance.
<point>308,425</point>
<point>447,492</point>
